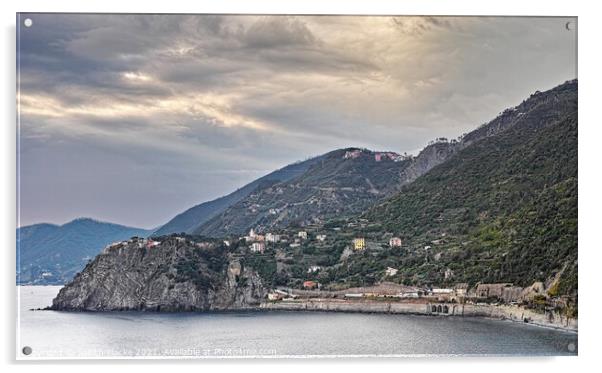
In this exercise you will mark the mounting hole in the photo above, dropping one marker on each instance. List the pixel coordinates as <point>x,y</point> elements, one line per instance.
<point>571,347</point>
<point>27,350</point>
<point>28,22</point>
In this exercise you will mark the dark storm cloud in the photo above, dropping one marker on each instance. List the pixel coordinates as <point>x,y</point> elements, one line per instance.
<point>133,118</point>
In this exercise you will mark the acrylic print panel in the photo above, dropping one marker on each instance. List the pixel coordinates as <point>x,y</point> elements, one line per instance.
<point>237,186</point>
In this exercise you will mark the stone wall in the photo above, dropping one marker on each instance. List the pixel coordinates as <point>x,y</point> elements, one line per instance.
<point>514,313</point>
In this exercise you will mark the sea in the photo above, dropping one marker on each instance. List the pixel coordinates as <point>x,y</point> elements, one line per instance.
<point>53,334</point>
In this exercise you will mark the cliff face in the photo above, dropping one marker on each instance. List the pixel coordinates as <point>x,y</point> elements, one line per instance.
<point>547,106</point>
<point>431,156</point>
<point>175,275</point>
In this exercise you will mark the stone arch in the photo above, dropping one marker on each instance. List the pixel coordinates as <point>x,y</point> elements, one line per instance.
<point>445,309</point>
<point>439,308</point>
<point>433,308</point>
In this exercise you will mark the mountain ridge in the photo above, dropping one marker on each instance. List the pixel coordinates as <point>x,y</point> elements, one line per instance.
<point>250,211</point>
<point>51,253</point>
<point>192,218</point>
<point>343,181</point>
<point>500,211</point>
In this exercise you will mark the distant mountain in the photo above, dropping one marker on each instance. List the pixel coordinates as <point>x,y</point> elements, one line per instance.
<point>343,182</point>
<point>52,254</point>
<point>191,219</point>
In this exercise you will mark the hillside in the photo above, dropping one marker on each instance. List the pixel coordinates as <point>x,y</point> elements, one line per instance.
<point>501,208</point>
<point>52,254</point>
<point>343,182</point>
<point>189,220</point>
<point>497,206</point>
<point>504,209</point>
<point>313,191</point>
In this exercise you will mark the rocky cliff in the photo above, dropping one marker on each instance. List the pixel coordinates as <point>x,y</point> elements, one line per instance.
<point>173,275</point>
<point>547,107</point>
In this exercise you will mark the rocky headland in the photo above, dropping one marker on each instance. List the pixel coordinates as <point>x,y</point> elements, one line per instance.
<point>172,275</point>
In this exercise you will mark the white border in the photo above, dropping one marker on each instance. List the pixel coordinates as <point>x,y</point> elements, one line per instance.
<point>590,208</point>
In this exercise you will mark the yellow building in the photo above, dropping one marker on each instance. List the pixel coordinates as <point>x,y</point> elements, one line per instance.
<point>359,243</point>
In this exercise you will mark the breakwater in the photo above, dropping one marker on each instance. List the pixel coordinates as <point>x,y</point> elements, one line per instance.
<point>549,319</point>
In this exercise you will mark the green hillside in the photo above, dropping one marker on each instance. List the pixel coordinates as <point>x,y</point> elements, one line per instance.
<point>502,210</point>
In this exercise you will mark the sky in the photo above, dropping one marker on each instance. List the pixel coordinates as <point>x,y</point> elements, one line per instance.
<point>133,119</point>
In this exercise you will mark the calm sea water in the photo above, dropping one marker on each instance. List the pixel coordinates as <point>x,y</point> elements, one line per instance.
<point>67,334</point>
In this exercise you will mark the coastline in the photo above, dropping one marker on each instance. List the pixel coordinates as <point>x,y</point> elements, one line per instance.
<point>264,307</point>
<point>549,320</point>
<point>333,333</point>
<point>511,313</point>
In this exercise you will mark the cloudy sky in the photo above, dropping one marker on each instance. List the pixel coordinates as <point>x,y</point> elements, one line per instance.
<point>133,119</point>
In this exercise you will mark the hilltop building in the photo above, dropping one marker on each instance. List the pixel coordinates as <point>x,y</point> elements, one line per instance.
<point>379,156</point>
<point>302,235</point>
<point>391,271</point>
<point>352,154</point>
